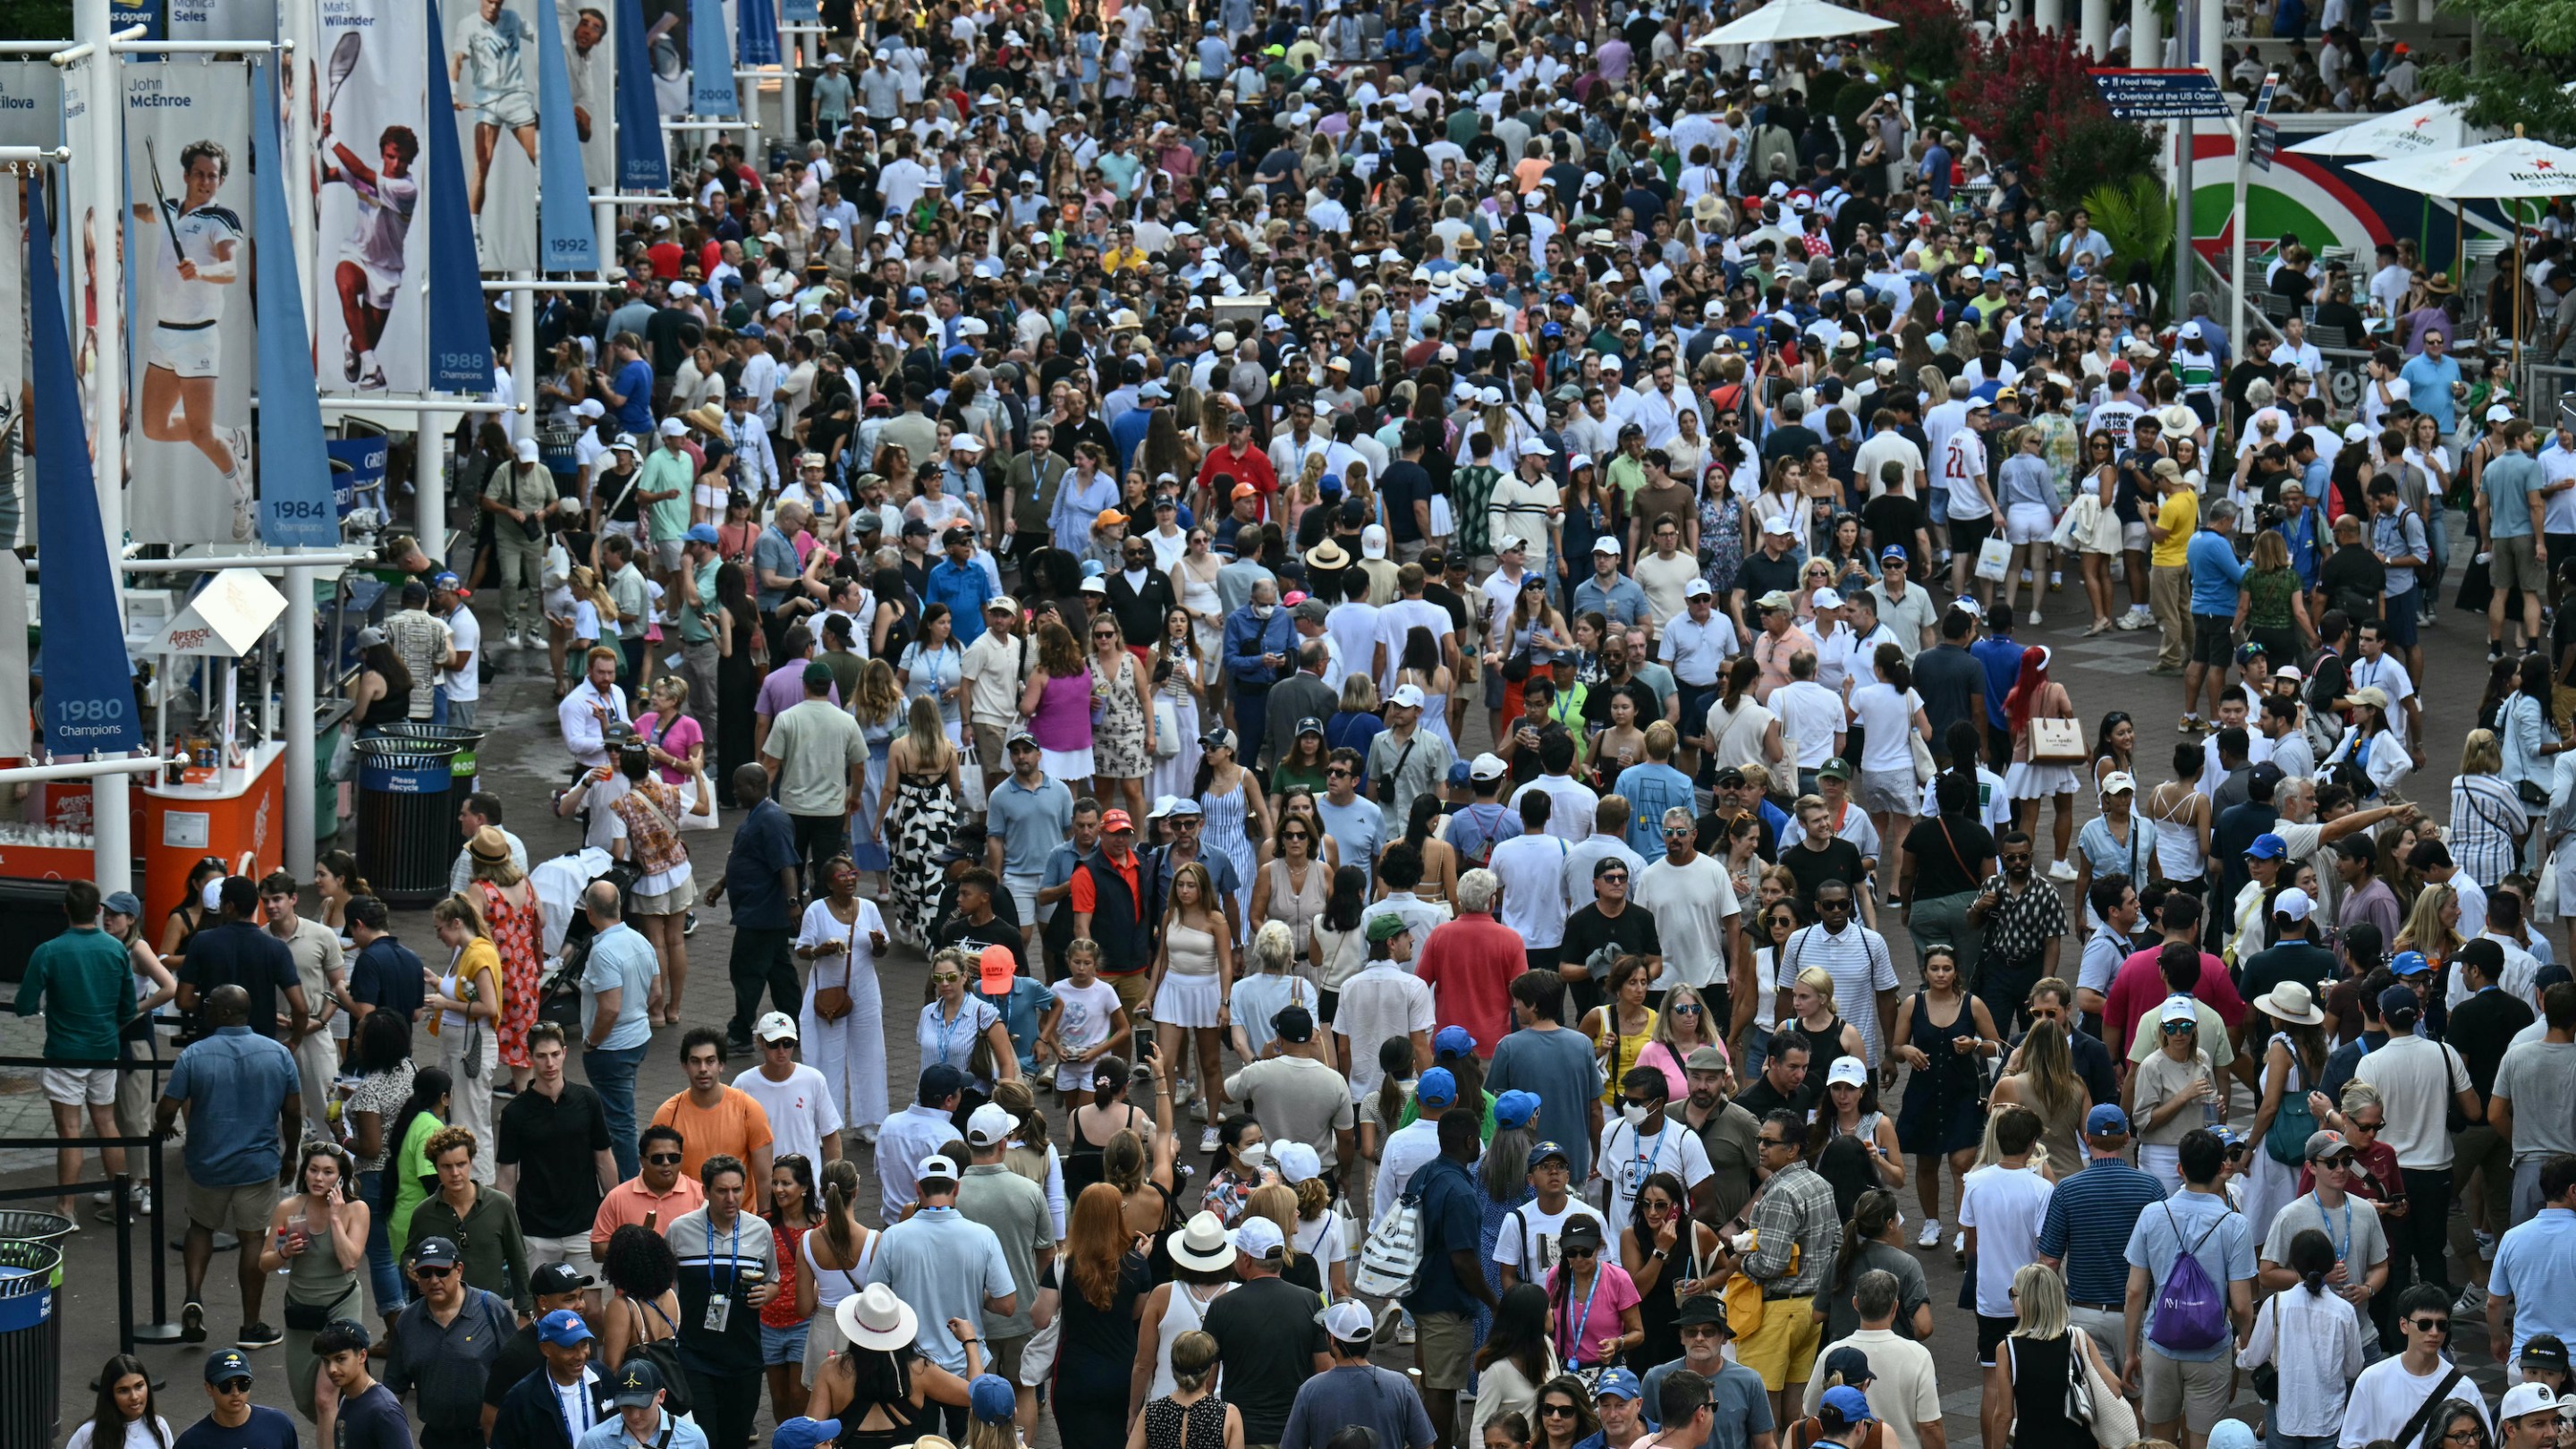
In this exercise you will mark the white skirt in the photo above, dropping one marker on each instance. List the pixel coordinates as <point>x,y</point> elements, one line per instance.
<point>1188,1001</point>
<point>1067,764</point>
<point>1443,521</point>
<point>2028,523</point>
<point>2026,781</point>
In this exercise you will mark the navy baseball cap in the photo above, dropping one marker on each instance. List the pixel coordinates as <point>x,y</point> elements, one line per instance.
<point>2107,1120</point>
<point>225,1365</point>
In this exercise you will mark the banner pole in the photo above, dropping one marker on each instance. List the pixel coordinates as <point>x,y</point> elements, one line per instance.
<point>298,644</point>
<point>523,351</point>
<point>112,845</point>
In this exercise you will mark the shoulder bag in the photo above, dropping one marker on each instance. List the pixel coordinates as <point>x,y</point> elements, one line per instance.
<point>2424,1411</point>
<point>664,1355</point>
<point>831,1003</point>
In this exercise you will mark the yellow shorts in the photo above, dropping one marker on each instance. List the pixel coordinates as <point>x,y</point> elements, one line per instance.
<point>1783,1350</point>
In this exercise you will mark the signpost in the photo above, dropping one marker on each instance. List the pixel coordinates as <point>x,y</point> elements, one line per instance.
<point>2162,95</point>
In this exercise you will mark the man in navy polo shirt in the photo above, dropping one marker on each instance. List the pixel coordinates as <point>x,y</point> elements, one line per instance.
<point>2091,1213</point>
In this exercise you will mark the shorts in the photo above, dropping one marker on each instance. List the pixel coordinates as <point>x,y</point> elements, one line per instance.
<point>242,1210</point>
<point>81,1086</point>
<point>2133,538</point>
<point>1783,1349</point>
<point>2213,640</point>
<point>1967,535</point>
<point>667,551</point>
<point>783,1345</point>
<point>1442,1345</point>
<point>381,285</point>
<point>1003,1356</point>
<point>666,903</point>
<point>1991,1332</point>
<point>2400,619</point>
<point>2195,1391</point>
<point>187,351</point>
<point>510,112</point>
<point>2514,563</point>
<point>1889,792</point>
<point>573,1252</point>
<point>2027,523</point>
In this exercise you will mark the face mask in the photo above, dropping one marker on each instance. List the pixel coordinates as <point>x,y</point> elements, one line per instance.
<point>1254,1155</point>
<point>1636,1116</point>
<point>1264,611</point>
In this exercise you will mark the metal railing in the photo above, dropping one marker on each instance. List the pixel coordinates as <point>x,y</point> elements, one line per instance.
<point>120,1188</point>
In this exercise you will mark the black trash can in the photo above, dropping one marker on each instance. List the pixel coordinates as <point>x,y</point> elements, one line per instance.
<point>406,819</point>
<point>31,1343</point>
<point>461,769</point>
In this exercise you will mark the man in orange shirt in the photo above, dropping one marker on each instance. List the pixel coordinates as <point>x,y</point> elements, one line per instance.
<point>714,1118</point>
<point>655,1196</point>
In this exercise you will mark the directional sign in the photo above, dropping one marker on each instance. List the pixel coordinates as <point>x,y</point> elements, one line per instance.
<point>2162,95</point>
<point>2265,143</point>
<point>2271,87</point>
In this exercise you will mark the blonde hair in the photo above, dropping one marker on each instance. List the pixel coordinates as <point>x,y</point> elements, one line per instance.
<point>2039,1297</point>
<point>586,585</point>
<point>463,909</point>
<point>878,691</point>
<point>1820,981</point>
<point>2481,753</point>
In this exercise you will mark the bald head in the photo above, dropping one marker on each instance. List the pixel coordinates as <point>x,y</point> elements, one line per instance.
<point>605,907</point>
<point>228,1006</point>
<point>750,784</point>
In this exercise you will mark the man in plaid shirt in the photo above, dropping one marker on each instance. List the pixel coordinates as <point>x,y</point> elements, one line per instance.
<point>1796,1235</point>
<point>2023,924</point>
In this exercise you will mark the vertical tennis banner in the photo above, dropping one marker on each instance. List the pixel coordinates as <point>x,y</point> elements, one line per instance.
<point>489,57</point>
<point>566,240</point>
<point>804,12</point>
<point>368,253</point>
<point>583,29</point>
<point>89,682</point>
<point>460,344</point>
<point>711,87</point>
<point>191,352</point>
<point>756,37</point>
<point>643,158</point>
<point>294,473</point>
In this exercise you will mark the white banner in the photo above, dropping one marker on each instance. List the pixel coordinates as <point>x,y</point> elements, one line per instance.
<point>490,52</point>
<point>31,103</point>
<point>371,248</point>
<point>192,354</point>
<point>590,54</point>
<point>17,511</point>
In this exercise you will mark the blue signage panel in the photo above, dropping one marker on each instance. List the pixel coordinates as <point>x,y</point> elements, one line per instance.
<point>2162,95</point>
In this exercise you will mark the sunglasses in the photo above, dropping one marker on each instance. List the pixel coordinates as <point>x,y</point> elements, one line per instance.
<point>2429,1325</point>
<point>431,1272</point>
<point>2359,1128</point>
<point>2177,1028</point>
<point>664,1159</point>
<point>1683,1008</point>
<point>1833,905</point>
<point>1771,1142</point>
<point>1614,878</point>
<point>233,1386</point>
<point>1556,1411</point>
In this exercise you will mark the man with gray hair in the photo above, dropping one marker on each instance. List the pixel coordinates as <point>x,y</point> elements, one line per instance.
<point>2216,578</point>
<point>1901,1386</point>
<point>621,992</point>
<point>1698,917</point>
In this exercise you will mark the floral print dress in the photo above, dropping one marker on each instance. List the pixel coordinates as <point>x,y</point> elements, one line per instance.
<point>514,931</point>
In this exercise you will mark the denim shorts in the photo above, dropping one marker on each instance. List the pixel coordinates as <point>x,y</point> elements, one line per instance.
<point>782,1345</point>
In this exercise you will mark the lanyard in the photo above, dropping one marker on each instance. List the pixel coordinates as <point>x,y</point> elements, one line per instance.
<point>581,1397</point>
<point>2343,1249</point>
<point>1581,1321</point>
<point>947,1024</point>
<point>733,1259</point>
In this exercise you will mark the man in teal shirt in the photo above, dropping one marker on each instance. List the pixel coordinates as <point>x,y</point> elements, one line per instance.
<point>2509,505</point>
<point>92,984</point>
<point>663,496</point>
<point>696,583</point>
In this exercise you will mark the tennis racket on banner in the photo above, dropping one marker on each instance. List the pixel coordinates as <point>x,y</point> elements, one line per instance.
<point>169,213</point>
<point>344,62</point>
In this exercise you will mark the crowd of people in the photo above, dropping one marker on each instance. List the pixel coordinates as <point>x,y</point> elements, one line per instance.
<point>1445,595</point>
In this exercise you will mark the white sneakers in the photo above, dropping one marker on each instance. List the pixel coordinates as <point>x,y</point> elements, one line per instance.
<point>1930,1237</point>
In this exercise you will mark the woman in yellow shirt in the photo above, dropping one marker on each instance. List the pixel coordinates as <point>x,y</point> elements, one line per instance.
<point>466,1001</point>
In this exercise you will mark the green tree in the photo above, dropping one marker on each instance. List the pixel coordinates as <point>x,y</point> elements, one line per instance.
<point>35,20</point>
<point>2519,75</point>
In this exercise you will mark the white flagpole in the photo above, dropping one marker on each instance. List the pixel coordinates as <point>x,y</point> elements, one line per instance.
<point>112,845</point>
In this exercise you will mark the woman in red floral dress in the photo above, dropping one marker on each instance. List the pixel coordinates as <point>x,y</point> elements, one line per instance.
<point>510,909</point>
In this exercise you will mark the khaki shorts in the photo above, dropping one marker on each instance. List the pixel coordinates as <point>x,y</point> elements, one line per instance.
<point>1006,1354</point>
<point>1442,1345</point>
<point>240,1210</point>
<point>1783,1349</point>
<point>2193,1391</point>
<point>2514,563</point>
<point>572,1252</point>
<point>1132,993</point>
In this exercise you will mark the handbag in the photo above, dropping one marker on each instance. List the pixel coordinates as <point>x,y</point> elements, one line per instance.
<point>831,1003</point>
<point>2115,1424</point>
<point>2055,742</point>
<point>1167,730</point>
<point>1924,766</point>
<point>1386,782</point>
<point>1994,559</point>
<point>2267,1374</point>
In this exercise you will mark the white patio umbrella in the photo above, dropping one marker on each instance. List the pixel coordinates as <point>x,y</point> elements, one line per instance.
<point>2419,129</point>
<point>1794,20</point>
<point>2514,168</point>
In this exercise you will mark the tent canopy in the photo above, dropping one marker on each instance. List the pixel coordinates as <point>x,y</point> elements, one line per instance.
<point>2418,130</point>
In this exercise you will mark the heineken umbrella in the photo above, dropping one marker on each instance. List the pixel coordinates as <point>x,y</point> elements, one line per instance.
<point>2511,169</point>
<point>2415,131</point>
<point>1794,20</point>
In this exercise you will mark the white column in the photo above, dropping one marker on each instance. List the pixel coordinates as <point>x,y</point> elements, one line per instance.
<point>2146,35</point>
<point>2049,15</point>
<point>429,487</point>
<point>2211,36</point>
<point>523,356</point>
<point>2096,35</point>
<point>299,645</point>
<point>112,843</point>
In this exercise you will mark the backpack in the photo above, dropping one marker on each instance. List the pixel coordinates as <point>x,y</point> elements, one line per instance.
<point>1391,1258</point>
<point>2191,1314</point>
<point>1485,829</point>
<point>2287,1139</point>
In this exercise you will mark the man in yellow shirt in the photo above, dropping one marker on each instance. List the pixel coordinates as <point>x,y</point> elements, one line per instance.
<point>2169,571</point>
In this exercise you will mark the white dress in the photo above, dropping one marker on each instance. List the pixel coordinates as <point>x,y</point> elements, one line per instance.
<point>2270,1185</point>
<point>1201,598</point>
<point>850,1052</point>
<point>1173,775</point>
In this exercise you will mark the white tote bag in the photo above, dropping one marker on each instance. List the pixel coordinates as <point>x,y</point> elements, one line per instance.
<point>1994,557</point>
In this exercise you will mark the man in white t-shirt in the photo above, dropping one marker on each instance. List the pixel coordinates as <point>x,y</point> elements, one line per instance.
<point>2001,1206</point>
<point>1696,913</point>
<point>1531,866</point>
<point>1384,1000</point>
<point>1642,1141</point>
<point>460,681</point>
<point>803,1118</point>
<point>1525,1246</point>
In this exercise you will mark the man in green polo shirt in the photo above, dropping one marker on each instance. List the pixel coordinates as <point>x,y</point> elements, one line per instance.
<point>84,985</point>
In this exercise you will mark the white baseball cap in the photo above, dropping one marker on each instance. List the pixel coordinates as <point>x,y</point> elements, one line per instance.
<point>989,1124</point>
<point>1406,696</point>
<point>775,1026</point>
<point>1847,1072</point>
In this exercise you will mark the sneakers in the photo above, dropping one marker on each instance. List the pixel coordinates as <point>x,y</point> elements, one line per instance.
<point>689,927</point>
<point>2472,1299</point>
<point>1404,1331</point>
<point>2191,724</point>
<point>1207,1139</point>
<point>192,1322</point>
<point>258,1335</point>
<point>2061,871</point>
<point>349,360</point>
<point>2056,582</point>
<point>1959,1248</point>
<point>2034,618</point>
<point>245,507</point>
<point>1930,1237</point>
<point>2136,619</point>
<point>2486,1245</point>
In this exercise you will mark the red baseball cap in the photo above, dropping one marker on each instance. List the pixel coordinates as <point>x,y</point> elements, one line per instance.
<point>1116,820</point>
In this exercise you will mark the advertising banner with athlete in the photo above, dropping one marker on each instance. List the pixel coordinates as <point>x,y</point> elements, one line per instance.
<point>190,345</point>
<point>491,53</point>
<point>590,54</point>
<point>369,256</point>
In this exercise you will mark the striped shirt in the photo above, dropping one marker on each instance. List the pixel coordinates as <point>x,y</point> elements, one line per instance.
<point>1857,959</point>
<point>2087,1226</point>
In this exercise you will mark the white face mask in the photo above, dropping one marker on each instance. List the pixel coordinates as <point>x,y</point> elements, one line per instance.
<point>1264,611</point>
<point>1637,1116</point>
<point>1253,1155</point>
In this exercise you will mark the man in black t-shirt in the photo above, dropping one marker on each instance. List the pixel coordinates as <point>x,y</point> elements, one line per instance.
<point>1819,855</point>
<point>2352,577</point>
<point>555,1160</point>
<point>1612,920</point>
<point>236,951</point>
<point>1895,519</point>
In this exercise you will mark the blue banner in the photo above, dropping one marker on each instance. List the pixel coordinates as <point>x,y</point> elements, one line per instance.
<point>294,475</point>
<point>565,241</point>
<point>756,40</point>
<point>460,345</point>
<point>89,683</point>
<point>804,12</point>
<point>357,467</point>
<point>643,159</point>
<point>711,88</point>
